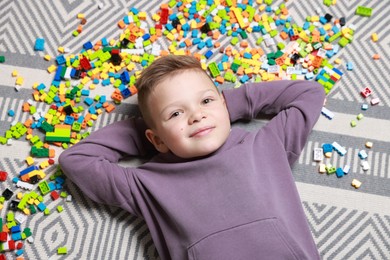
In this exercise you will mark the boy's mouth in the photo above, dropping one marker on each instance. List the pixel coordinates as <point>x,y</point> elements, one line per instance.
<point>202,131</point>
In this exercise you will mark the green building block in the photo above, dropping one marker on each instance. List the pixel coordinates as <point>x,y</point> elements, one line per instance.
<point>33,210</point>
<point>213,68</point>
<point>44,187</point>
<point>343,42</point>
<point>243,34</point>
<point>234,41</point>
<point>39,152</point>
<point>328,2</point>
<point>330,169</point>
<point>62,250</point>
<point>27,232</point>
<point>45,126</point>
<point>259,40</point>
<point>58,135</point>
<point>334,37</point>
<point>363,11</point>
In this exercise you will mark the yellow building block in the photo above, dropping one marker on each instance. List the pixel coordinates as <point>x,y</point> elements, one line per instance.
<point>315,18</point>
<point>44,164</point>
<point>19,195</point>
<point>374,37</point>
<point>327,27</point>
<point>29,160</point>
<point>26,211</point>
<point>239,18</point>
<point>156,17</point>
<point>41,174</point>
<point>19,81</point>
<point>52,68</point>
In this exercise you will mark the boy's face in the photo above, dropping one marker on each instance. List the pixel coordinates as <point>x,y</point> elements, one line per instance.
<point>189,114</point>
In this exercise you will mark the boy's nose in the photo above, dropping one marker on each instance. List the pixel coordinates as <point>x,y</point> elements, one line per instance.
<point>196,116</point>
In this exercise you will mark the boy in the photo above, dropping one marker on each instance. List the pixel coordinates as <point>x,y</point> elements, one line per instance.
<point>211,192</point>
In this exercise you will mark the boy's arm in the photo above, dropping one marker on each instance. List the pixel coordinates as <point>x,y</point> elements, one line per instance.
<point>297,105</point>
<point>92,164</point>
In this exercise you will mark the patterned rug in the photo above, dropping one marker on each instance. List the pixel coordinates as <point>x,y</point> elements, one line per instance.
<point>347,223</point>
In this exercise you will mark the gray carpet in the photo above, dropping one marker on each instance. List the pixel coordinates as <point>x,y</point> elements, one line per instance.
<point>347,223</point>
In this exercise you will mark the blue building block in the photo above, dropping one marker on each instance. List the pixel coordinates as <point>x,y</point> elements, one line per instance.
<point>15,229</point>
<point>16,236</point>
<point>69,120</point>
<point>61,60</point>
<point>126,93</point>
<point>125,77</point>
<point>328,148</point>
<point>11,112</point>
<point>244,78</point>
<point>349,65</point>
<point>41,206</point>
<point>339,172</point>
<point>39,44</point>
<point>102,99</point>
<point>88,101</point>
<point>134,10</point>
<point>28,170</point>
<point>104,42</point>
<point>363,154</point>
<point>88,45</point>
<point>208,54</point>
<point>52,186</point>
<point>85,92</point>
<point>92,110</point>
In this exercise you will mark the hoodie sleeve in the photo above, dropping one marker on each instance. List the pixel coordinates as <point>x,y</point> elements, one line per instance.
<point>296,106</point>
<point>92,164</point>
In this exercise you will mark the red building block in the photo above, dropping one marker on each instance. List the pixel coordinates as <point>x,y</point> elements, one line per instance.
<point>54,195</point>
<point>3,176</point>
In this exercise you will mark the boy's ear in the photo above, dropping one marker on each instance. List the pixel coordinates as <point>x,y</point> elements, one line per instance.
<point>156,141</point>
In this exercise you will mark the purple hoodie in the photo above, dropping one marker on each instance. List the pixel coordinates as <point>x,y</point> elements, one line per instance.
<point>239,202</point>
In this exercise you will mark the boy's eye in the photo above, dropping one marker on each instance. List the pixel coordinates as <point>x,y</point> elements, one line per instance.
<point>175,114</point>
<point>207,100</point>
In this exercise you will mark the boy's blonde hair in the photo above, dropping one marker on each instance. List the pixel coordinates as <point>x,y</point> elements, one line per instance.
<point>158,71</point>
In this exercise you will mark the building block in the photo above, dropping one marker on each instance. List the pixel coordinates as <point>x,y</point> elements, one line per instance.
<point>327,113</point>
<point>365,165</point>
<point>339,172</point>
<point>44,187</point>
<point>339,149</point>
<point>39,44</point>
<point>318,154</point>
<point>356,183</point>
<point>62,133</point>
<point>3,176</point>
<point>363,11</point>
<point>327,149</point>
<point>62,250</point>
<point>362,154</point>
<point>346,169</point>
